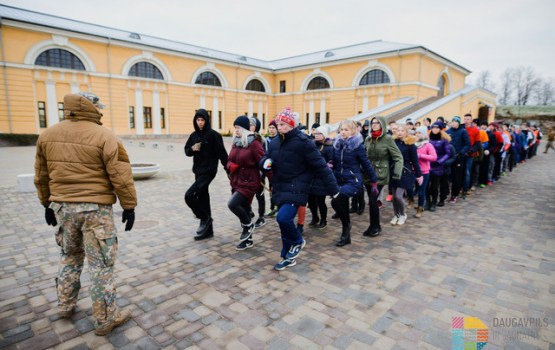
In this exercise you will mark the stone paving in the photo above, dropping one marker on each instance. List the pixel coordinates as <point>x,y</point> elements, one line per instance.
<point>491,256</point>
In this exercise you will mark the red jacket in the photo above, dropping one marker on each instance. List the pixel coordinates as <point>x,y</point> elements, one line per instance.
<point>243,166</point>
<point>474,136</point>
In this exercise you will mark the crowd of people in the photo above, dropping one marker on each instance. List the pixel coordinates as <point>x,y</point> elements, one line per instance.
<point>81,168</point>
<point>412,165</point>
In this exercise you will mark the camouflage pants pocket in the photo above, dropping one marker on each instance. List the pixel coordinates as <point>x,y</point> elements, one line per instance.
<point>108,243</point>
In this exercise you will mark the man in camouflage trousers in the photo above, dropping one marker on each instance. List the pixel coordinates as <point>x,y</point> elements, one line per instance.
<point>80,168</point>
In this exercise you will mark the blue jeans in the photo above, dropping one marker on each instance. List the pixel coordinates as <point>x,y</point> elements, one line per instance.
<point>423,189</point>
<point>468,174</point>
<point>286,220</point>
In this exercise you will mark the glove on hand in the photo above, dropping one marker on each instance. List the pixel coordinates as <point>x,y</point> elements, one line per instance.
<point>128,216</point>
<point>374,189</point>
<point>233,167</point>
<point>50,217</point>
<point>267,164</point>
<point>486,152</point>
<point>420,180</point>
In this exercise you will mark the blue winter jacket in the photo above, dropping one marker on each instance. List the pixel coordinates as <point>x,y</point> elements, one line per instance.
<point>459,140</point>
<point>295,161</point>
<point>349,156</point>
<point>411,168</point>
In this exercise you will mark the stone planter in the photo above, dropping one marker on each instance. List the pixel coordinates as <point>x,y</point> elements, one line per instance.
<point>144,170</point>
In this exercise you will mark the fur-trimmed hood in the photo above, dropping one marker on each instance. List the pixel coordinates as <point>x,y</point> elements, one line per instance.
<point>409,139</point>
<point>348,144</point>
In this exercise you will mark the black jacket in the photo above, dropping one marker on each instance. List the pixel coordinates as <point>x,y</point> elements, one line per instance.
<point>211,150</point>
<point>295,161</point>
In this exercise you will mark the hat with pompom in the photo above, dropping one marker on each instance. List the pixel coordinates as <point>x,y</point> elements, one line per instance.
<point>288,117</point>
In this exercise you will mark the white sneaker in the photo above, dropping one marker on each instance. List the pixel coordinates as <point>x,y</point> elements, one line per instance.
<point>402,219</point>
<point>394,220</point>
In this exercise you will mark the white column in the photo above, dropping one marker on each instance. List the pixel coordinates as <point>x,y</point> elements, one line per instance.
<point>250,108</point>
<point>322,112</point>
<point>51,103</point>
<point>139,117</point>
<point>202,102</point>
<point>364,103</point>
<point>156,124</point>
<point>215,120</point>
<point>310,114</point>
<point>260,112</point>
<point>380,100</point>
<point>74,88</point>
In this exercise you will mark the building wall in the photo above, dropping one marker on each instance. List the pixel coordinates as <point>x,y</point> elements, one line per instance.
<point>108,63</point>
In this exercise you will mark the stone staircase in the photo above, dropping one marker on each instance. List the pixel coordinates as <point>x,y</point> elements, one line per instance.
<point>411,109</point>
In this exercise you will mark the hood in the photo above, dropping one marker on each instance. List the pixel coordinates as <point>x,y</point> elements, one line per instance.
<point>348,144</point>
<point>77,107</point>
<point>201,113</point>
<point>383,124</point>
<point>410,140</point>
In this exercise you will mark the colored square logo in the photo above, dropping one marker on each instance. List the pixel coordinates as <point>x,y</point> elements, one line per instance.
<point>469,333</point>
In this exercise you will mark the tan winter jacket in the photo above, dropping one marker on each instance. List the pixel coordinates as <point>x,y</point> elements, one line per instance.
<point>79,160</point>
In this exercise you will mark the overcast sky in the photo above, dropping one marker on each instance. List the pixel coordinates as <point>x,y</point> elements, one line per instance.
<point>477,34</point>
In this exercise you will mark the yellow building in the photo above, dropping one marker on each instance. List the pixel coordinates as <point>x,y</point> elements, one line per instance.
<point>153,86</point>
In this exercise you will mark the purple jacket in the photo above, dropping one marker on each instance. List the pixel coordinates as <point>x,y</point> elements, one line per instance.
<point>443,151</point>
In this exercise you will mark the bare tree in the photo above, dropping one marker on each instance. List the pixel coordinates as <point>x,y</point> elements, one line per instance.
<point>507,87</point>
<point>545,92</point>
<point>525,81</point>
<point>485,80</point>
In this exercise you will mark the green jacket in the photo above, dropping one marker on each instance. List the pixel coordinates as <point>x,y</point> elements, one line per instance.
<point>381,151</point>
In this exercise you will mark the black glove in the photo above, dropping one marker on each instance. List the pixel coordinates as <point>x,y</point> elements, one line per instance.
<point>50,217</point>
<point>128,216</point>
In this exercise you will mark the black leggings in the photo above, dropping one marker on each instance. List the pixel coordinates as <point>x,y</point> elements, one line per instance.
<point>318,203</point>
<point>240,206</point>
<point>341,206</point>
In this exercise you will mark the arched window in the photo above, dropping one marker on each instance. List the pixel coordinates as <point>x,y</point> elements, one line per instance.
<point>208,78</point>
<point>145,70</point>
<point>60,59</point>
<point>375,76</point>
<point>318,83</point>
<point>441,86</point>
<point>256,85</point>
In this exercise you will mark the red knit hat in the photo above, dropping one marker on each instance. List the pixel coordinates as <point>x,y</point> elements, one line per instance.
<point>288,117</point>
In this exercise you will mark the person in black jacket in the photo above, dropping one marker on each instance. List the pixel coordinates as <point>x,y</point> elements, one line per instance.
<point>317,192</point>
<point>206,146</point>
<point>294,160</point>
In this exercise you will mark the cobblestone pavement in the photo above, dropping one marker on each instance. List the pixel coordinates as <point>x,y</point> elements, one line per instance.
<point>491,256</point>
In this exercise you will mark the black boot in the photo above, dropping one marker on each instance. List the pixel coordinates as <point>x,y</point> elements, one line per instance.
<point>360,210</point>
<point>323,223</point>
<point>433,207</point>
<point>314,222</point>
<point>345,236</point>
<point>204,224</point>
<point>372,231</point>
<point>208,233</point>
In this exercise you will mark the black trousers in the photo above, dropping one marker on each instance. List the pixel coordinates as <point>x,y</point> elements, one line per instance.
<point>261,199</point>
<point>198,198</point>
<point>457,176</point>
<point>373,206</point>
<point>357,202</point>
<point>318,204</point>
<point>444,187</point>
<point>484,170</point>
<point>341,206</point>
<point>433,191</point>
<point>240,206</point>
